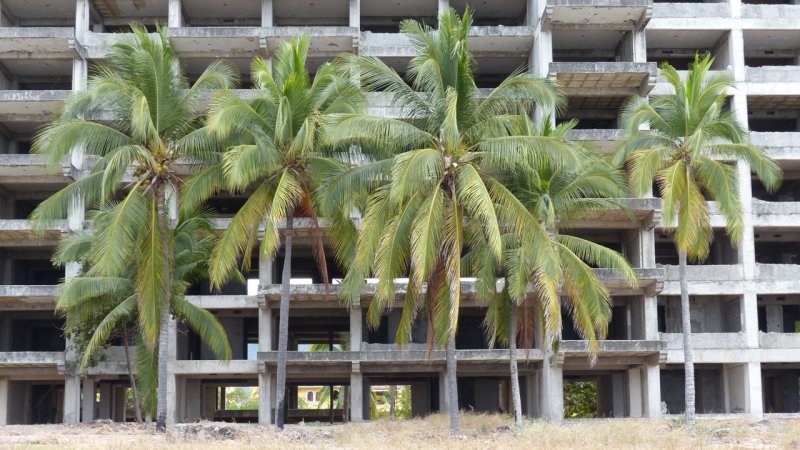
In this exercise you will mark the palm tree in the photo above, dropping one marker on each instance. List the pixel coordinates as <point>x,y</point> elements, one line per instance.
<point>692,136</point>
<point>138,111</point>
<point>429,174</point>
<point>276,151</point>
<point>102,305</point>
<point>553,195</point>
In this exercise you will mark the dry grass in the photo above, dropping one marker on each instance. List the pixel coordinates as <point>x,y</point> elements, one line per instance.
<point>480,432</point>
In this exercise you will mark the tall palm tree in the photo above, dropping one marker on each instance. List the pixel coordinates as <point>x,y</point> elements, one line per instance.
<point>692,137</point>
<point>138,111</point>
<point>276,151</point>
<point>429,174</point>
<point>553,195</point>
<point>104,305</point>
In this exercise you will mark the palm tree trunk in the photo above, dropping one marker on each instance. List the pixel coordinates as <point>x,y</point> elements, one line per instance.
<point>452,384</point>
<point>163,332</point>
<point>512,347</point>
<point>688,354</point>
<point>137,404</point>
<point>283,324</point>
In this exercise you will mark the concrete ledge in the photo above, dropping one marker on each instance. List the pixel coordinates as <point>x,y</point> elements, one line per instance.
<point>37,42</point>
<point>604,78</point>
<point>14,232</point>
<point>399,356</point>
<point>706,279</point>
<point>706,341</point>
<point>691,10</point>
<point>597,12</point>
<point>618,348</point>
<point>21,292</point>
<point>773,74</point>
<point>213,367</point>
<point>779,145</point>
<point>216,41</point>
<point>770,11</point>
<point>24,168</point>
<point>775,214</point>
<point>779,340</point>
<point>224,301</point>
<point>491,41</point>
<point>31,359</point>
<point>31,105</point>
<point>606,141</point>
<point>641,213</point>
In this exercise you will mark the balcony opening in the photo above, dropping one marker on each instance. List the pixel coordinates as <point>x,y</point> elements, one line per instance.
<point>310,13</point>
<point>770,58</point>
<point>486,394</point>
<point>596,393</point>
<point>385,333</point>
<point>779,313</point>
<point>780,388</point>
<point>788,191</point>
<point>31,331</point>
<point>195,66</point>
<point>305,266</point>
<point>38,13</point>
<point>490,71</point>
<point>114,401</point>
<point>199,13</point>
<point>36,75</point>
<point>773,113</point>
<point>777,246</point>
<point>769,2</point>
<point>45,397</point>
<point>722,251</point>
<point>592,45</point>
<point>709,388</point>
<point>416,395</point>
<point>593,112</point>
<point>241,327</point>
<point>29,266</point>
<point>491,13</point>
<point>709,314</point>
<point>219,400</point>
<point>471,334</point>
<point>391,401</point>
<point>627,321</point>
<point>679,48</point>
<point>232,287</point>
<point>318,331</point>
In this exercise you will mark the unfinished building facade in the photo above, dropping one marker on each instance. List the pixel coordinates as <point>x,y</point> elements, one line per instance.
<point>745,300</point>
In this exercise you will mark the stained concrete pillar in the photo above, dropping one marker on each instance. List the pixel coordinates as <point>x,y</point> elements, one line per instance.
<point>635,392</point>
<point>755,393</point>
<point>356,327</point>
<point>266,13</point>
<point>3,401</point>
<point>72,399</point>
<point>80,74</point>
<point>749,313</point>
<point>265,329</point>
<point>82,20</point>
<point>88,399</point>
<point>652,392</point>
<point>444,394</point>
<point>266,395</point>
<point>175,17</point>
<point>172,354</point>
<point>532,395</point>
<point>355,14</point>
<point>551,392</point>
<point>265,276</point>
<point>650,317</point>
<point>356,394</point>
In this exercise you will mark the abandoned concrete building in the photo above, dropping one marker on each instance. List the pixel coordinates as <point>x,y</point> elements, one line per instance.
<point>745,301</point>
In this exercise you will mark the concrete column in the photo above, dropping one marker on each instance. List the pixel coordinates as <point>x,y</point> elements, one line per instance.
<point>356,326</point>
<point>172,205</point>
<point>356,394</point>
<point>82,20</point>
<point>80,74</point>
<point>266,13</point>
<point>444,394</point>
<point>265,331</point>
<point>652,391</point>
<point>650,318</point>
<point>3,401</point>
<point>266,388</point>
<point>172,354</point>
<point>72,399</point>
<point>264,271</point>
<point>88,401</point>
<point>175,18</point>
<point>635,392</point>
<point>443,4</point>
<point>551,392</point>
<point>749,313</point>
<point>355,14</point>
<point>755,400</point>
<point>532,395</point>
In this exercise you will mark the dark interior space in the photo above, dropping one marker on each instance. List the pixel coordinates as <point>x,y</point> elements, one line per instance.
<point>722,252</point>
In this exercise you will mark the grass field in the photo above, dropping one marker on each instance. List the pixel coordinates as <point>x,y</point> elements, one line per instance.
<point>480,432</point>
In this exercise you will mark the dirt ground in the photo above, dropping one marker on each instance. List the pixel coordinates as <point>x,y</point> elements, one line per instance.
<point>480,432</point>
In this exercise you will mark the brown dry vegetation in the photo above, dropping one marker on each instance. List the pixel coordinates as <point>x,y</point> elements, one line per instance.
<point>481,432</point>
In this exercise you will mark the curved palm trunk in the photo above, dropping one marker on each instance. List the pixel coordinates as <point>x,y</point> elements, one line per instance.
<point>137,404</point>
<point>163,332</point>
<point>512,347</point>
<point>688,353</point>
<point>452,384</point>
<point>283,325</point>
